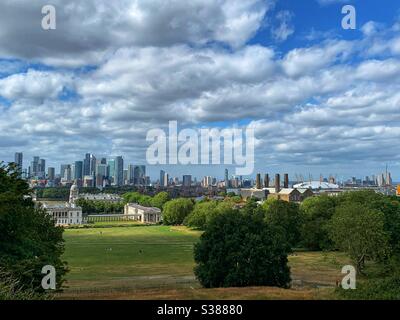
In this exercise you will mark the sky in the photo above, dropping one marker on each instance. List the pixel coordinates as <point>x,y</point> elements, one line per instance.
<point>321,99</point>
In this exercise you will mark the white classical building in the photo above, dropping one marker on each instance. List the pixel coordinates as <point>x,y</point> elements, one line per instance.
<point>136,212</point>
<point>68,213</point>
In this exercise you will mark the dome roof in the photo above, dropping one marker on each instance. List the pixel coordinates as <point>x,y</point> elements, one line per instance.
<point>316,185</point>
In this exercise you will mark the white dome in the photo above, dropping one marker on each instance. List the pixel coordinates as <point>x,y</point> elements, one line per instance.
<point>316,185</point>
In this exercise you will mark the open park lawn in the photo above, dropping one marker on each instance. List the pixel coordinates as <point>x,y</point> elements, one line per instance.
<point>156,262</point>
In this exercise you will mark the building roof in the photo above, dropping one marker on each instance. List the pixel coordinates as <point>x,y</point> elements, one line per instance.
<point>145,209</point>
<point>287,190</point>
<point>316,185</point>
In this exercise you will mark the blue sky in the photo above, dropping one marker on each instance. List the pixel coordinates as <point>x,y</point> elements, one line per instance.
<point>320,99</point>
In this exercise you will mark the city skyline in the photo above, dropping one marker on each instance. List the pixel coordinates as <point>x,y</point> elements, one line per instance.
<point>130,170</point>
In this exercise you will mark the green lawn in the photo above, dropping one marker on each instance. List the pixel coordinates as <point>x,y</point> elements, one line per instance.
<point>150,256</point>
<point>156,262</point>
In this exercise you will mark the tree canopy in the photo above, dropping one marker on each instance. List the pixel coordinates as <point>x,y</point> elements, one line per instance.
<point>29,238</point>
<point>240,249</point>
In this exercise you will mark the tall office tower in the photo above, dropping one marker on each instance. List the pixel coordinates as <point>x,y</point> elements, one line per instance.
<point>93,164</point>
<point>130,178</point>
<point>51,173</point>
<point>63,168</point>
<point>286,181</point>
<point>101,174</point>
<point>187,180</point>
<point>119,171</point>
<point>139,175</point>
<point>34,166</point>
<point>227,178</point>
<point>111,170</point>
<point>42,166</point>
<point>162,178</point>
<point>72,171</point>
<point>258,181</point>
<point>68,173</point>
<point>86,165</point>
<point>277,183</point>
<point>126,177</point>
<point>78,170</point>
<point>18,159</point>
<point>166,180</point>
<point>103,161</point>
<point>266,180</point>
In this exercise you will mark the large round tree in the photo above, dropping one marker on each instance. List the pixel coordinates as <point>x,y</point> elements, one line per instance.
<point>239,249</point>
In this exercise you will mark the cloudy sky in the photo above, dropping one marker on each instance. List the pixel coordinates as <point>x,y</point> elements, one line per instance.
<point>321,99</point>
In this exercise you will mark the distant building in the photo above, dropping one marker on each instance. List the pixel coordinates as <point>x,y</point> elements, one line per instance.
<point>284,194</point>
<point>100,197</point>
<point>18,159</point>
<point>51,173</point>
<point>187,180</point>
<point>137,212</point>
<point>119,171</point>
<point>316,185</point>
<point>66,214</point>
<point>139,175</point>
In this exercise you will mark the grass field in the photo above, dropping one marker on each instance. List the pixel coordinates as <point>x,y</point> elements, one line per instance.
<point>156,262</point>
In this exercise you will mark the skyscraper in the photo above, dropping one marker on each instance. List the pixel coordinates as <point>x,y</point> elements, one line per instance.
<point>162,178</point>
<point>78,170</point>
<point>101,174</point>
<point>51,173</point>
<point>227,178</point>
<point>131,174</point>
<point>119,171</point>
<point>33,169</point>
<point>111,171</point>
<point>18,159</point>
<point>139,175</point>
<point>187,180</point>
<point>86,165</point>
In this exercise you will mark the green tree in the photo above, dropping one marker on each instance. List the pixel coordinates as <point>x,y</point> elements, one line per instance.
<point>29,239</point>
<point>359,231</point>
<point>239,249</point>
<point>389,206</point>
<point>285,215</point>
<point>316,213</point>
<point>160,199</point>
<point>201,214</point>
<point>131,197</point>
<point>175,211</point>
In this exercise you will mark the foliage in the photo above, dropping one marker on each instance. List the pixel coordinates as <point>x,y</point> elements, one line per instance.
<point>160,199</point>
<point>131,197</point>
<point>239,249</point>
<point>10,289</point>
<point>387,288</point>
<point>100,206</point>
<point>29,239</point>
<point>201,214</point>
<point>285,215</point>
<point>316,213</point>
<point>175,211</point>
<point>359,231</point>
